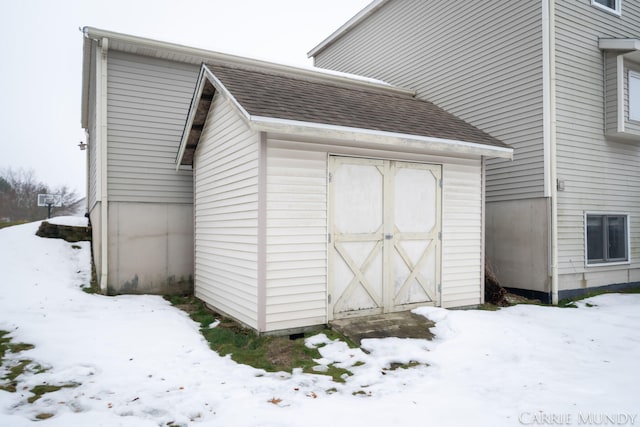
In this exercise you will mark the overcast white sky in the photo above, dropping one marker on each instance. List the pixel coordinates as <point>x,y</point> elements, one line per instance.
<point>41,59</point>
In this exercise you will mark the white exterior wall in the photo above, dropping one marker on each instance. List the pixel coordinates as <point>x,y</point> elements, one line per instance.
<point>296,238</point>
<point>297,229</point>
<point>599,173</point>
<point>477,59</point>
<point>462,245</point>
<point>226,170</point>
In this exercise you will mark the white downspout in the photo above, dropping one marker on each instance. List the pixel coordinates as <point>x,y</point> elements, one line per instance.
<point>102,132</point>
<point>87,188</point>
<point>553,172</point>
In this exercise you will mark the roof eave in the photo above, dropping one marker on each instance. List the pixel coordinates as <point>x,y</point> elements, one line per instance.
<point>119,41</point>
<point>377,137</point>
<point>619,44</point>
<point>359,17</point>
<point>86,79</point>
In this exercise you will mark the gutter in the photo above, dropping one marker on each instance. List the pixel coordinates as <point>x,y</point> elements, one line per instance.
<point>270,124</point>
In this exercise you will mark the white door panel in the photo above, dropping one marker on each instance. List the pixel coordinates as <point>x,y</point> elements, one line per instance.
<point>384,252</point>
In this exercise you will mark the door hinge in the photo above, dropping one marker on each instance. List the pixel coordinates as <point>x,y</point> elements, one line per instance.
<point>439,287</point>
<point>329,298</point>
<point>330,177</point>
<point>440,182</point>
<point>329,237</point>
<point>439,235</point>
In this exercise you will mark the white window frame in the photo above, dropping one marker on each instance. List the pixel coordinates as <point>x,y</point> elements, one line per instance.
<point>616,11</point>
<point>628,240</point>
<point>633,93</point>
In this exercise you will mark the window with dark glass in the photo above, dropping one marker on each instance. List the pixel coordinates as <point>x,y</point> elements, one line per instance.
<point>607,238</point>
<point>608,5</point>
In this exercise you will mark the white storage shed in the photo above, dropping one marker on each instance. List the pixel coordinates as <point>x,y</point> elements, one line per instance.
<point>320,196</point>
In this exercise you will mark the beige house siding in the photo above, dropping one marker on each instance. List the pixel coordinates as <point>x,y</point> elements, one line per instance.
<point>488,75</point>
<point>147,105</point>
<point>226,165</point>
<point>599,173</point>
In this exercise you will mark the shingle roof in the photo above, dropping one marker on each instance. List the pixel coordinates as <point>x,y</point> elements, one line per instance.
<point>318,100</point>
<point>290,97</point>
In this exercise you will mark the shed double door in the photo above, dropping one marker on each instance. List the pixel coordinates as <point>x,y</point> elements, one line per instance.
<point>385,224</point>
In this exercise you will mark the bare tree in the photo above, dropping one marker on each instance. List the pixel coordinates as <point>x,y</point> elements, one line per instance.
<point>19,191</point>
<point>71,202</point>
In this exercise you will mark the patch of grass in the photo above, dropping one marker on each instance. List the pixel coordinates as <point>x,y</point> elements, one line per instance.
<point>40,390</point>
<point>11,223</point>
<point>9,382</point>
<point>93,285</point>
<point>268,352</point>
<point>488,307</point>
<point>411,364</point>
<point>570,302</point>
<point>43,416</point>
<point>76,247</point>
<point>91,289</point>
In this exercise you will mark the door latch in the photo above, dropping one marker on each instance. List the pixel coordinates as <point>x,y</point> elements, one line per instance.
<point>388,236</point>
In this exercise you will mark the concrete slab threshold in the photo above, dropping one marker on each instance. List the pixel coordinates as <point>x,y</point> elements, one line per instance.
<point>402,325</point>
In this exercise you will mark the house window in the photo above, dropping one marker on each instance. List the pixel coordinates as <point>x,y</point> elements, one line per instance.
<point>613,6</point>
<point>634,96</point>
<point>607,238</point>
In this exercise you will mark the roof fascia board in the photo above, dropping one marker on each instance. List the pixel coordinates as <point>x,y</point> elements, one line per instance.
<point>360,16</point>
<point>619,44</point>
<point>398,140</point>
<point>203,55</point>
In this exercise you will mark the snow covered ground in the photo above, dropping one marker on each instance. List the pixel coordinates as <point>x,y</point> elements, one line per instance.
<point>140,362</point>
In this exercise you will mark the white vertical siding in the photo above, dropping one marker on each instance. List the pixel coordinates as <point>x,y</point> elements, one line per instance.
<point>226,214</point>
<point>600,174</point>
<point>148,101</point>
<point>296,238</point>
<point>462,234</point>
<point>477,59</point>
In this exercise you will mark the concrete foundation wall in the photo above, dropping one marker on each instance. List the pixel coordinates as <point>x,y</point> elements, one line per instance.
<point>150,248</point>
<point>517,243</point>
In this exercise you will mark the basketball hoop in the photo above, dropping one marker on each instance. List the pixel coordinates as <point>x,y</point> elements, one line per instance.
<point>49,200</point>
